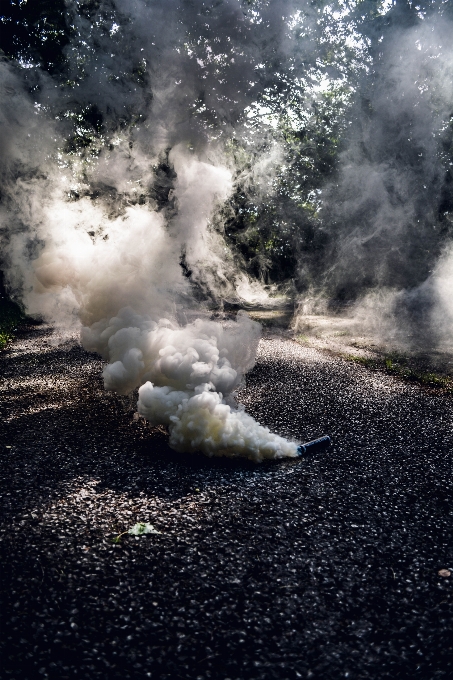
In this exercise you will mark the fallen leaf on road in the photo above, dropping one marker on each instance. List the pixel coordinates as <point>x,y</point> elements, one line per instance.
<point>143,528</point>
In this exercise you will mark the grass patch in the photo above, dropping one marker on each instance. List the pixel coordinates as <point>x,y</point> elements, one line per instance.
<point>399,365</point>
<point>11,316</point>
<point>272,318</point>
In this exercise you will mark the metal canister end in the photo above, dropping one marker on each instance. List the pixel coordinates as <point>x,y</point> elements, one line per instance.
<point>315,445</point>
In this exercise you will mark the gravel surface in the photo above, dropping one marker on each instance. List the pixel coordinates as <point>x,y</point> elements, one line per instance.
<point>326,567</point>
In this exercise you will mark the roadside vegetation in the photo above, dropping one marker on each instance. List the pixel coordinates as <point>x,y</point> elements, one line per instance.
<point>11,317</point>
<point>412,369</point>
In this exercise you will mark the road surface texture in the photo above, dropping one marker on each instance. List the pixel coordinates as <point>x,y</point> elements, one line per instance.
<point>321,568</point>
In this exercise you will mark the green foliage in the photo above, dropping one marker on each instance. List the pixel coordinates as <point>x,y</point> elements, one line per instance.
<point>274,231</point>
<point>11,316</point>
<point>406,369</point>
<point>88,128</point>
<point>35,31</point>
<point>139,529</point>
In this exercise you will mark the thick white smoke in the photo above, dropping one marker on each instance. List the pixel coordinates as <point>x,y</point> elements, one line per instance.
<point>81,248</point>
<point>123,280</point>
<point>188,376</point>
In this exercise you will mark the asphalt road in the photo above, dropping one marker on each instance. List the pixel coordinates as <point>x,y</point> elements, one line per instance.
<point>321,568</point>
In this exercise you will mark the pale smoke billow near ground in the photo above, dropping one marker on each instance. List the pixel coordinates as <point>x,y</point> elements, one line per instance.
<point>318,568</point>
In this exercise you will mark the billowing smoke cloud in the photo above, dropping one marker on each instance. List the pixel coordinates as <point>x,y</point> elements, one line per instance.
<point>184,373</point>
<point>114,173</point>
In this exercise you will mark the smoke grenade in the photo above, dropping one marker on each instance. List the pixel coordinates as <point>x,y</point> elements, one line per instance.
<point>315,445</point>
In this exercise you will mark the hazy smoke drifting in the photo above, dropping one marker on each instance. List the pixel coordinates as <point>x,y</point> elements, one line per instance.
<point>388,212</point>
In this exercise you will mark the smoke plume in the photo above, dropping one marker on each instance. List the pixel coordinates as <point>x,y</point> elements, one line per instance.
<point>113,177</point>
